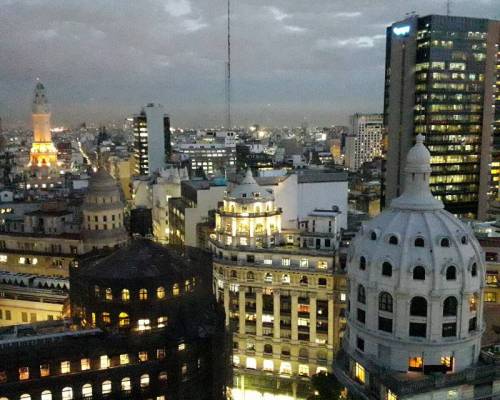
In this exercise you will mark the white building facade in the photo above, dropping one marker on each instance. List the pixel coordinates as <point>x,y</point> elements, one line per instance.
<point>365,141</point>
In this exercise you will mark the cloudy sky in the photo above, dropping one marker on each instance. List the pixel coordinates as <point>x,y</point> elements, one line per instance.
<point>293,61</point>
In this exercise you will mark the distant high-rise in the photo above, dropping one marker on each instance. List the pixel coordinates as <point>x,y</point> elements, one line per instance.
<point>151,139</point>
<point>440,81</point>
<point>365,141</point>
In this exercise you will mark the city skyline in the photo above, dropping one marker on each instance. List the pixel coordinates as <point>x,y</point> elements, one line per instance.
<point>85,53</point>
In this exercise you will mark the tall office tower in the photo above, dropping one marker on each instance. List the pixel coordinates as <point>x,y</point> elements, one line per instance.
<point>440,81</point>
<point>415,321</point>
<point>151,139</point>
<point>365,141</point>
<point>43,155</point>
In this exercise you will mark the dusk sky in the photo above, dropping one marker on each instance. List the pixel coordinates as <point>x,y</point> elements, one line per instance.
<point>294,61</point>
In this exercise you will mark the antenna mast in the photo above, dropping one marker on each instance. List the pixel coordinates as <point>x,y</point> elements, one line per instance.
<point>228,68</point>
<point>448,7</point>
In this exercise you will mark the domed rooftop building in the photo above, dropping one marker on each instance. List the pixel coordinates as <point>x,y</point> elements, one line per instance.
<point>103,221</point>
<point>416,277</point>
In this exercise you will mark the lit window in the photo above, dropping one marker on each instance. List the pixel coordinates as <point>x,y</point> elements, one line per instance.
<point>106,318</point>
<point>144,381</point>
<point>304,263</point>
<point>285,262</point>
<point>182,346</point>
<point>24,373</point>
<point>236,361</point>
<point>415,364</point>
<point>46,395</point>
<point>322,264</point>
<point>268,277</point>
<point>359,373</point>
<point>125,295</point>
<point>124,359</point>
<point>106,387</point>
<point>3,258</point>
<point>268,261</point>
<point>109,294</point>
<point>65,367</point>
<point>391,395</point>
<point>25,396</point>
<point>143,356</point>
<point>104,361</point>
<point>123,320</point>
<point>87,391</point>
<point>303,370</point>
<point>251,363</point>
<point>143,294</point>
<point>285,368</point>
<point>44,370</point>
<point>160,292</point>
<point>285,278</point>
<point>160,354</point>
<point>162,322</point>
<point>175,289</point>
<point>143,324</point>
<point>85,364</point>
<point>67,393</point>
<point>125,385</point>
<point>268,365</point>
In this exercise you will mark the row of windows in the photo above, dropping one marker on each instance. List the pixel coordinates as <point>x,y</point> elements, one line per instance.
<point>143,294</point>
<point>419,241</point>
<point>285,278</point>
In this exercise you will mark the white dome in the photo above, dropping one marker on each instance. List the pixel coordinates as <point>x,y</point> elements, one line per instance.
<point>413,252</point>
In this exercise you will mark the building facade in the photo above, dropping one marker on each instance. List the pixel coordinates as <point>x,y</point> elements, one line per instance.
<point>282,291</point>
<point>365,141</point>
<point>152,145</point>
<point>440,81</point>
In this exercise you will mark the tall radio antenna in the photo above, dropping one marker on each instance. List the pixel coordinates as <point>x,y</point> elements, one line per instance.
<point>228,68</point>
<point>448,7</point>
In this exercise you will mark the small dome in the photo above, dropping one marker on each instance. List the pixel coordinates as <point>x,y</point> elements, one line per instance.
<point>249,189</point>
<point>418,158</point>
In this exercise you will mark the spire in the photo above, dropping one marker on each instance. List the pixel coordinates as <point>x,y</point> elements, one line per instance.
<point>249,179</point>
<point>40,102</point>
<point>417,193</point>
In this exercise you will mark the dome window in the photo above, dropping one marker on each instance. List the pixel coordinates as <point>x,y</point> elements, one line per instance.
<point>385,302</point>
<point>464,239</point>
<point>473,270</point>
<point>386,269</point>
<point>160,292</point>
<point>450,307</point>
<point>373,236</point>
<point>123,320</point>
<point>419,242</point>
<point>362,263</point>
<point>361,294</point>
<point>445,242</point>
<point>419,273</point>
<point>451,273</point>
<point>393,240</point>
<point>418,307</point>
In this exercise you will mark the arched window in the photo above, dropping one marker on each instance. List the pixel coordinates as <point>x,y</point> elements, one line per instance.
<point>160,292</point>
<point>393,240</point>
<point>97,291</point>
<point>362,263</point>
<point>87,390</point>
<point>373,236</point>
<point>473,270</point>
<point>285,278</point>
<point>143,294</point>
<point>125,385</point>
<point>387,269</point>
<point>106,387</point>
<point>419,242</point>
<point>268,277</point>
<point>464,239</point>
<point>175,289</point>
<point>144,381</point>
<point>25,396</point>
<point>304,280</point>
<point>445,242</point>
<point>450,307</point>
<point>109,294</point>
<point>125,295</point>
<point>250,276</point>
<point>162,376</point>
<point>67,393</point>
<point>268,349</point>
<point>234,274</point>
<point>419,273</point>
<point>123,320</point>
<point>385,302</point>
<point>418,307</point>
<point>361,294</point>
<point>46,395</point>
<point>451,273</point>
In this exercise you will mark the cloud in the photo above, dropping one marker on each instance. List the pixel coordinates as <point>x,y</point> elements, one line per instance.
<point>277,14</point>
<point>295,29</point>
<point>193,24</point>
<point>178,8</point>
<point>356,42</point>
<point>344,14</point>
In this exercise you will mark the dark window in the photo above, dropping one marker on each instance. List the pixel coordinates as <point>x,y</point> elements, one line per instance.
<point>362,263</point>
<point>303,280</point>
<point>419,273</point>
<point>450,330</point>
<point>250,258</point>
<point>418,307</point>
<point>233,274</point>
<point>473,269</point>
<point>387,269</point>
<point>472,324</point>
<point>451,273</point>
<point>464,239</point>
<point>361,315</point>
<point>450,306</point>
<point>361,294</point>
<point>445,242</point>
<point>385,302</point>
<point>418,329</point>
<point>385,324</point>
<point>250,276</point>
<point>268,349</point>
<point>322,282</point>
<point>360,343</point>
<point>373,236</point>
<point>393,240</point>
<point>419,242</point>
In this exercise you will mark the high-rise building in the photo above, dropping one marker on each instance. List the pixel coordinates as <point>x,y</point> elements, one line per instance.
<point>43,155</point>
<point>416,284</point>
<point>152,145</point>
<point>365,141</point>
<point>440,81</point>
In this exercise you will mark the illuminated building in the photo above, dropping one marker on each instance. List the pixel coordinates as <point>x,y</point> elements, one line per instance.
<point>145,326</point>
<point>281,289</point>
<point>440,81</point>
<point>151,139</point>
<point>365,141</point>
<point>415,315</point>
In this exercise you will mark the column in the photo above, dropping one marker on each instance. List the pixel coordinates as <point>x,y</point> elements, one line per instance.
<point>241,303</point>
<point>330,320</point>
<point>312,317</point>
<point>294,315</point>
<point>226,302</point>
<point>434,318</point>
<point>277,313</point>
<point>258,311</point>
